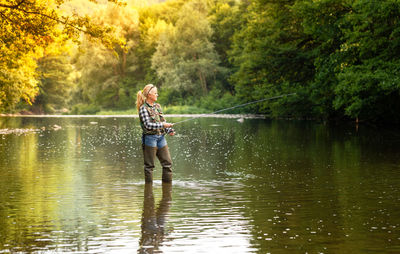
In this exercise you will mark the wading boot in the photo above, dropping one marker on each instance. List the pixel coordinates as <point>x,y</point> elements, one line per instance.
<point>166,163</point>
<point>149,153</point>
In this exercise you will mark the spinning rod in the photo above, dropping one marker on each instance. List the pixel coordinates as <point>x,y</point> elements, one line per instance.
<point>237,106</point>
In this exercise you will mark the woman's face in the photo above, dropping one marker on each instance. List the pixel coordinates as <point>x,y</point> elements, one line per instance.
<point>152,95</point>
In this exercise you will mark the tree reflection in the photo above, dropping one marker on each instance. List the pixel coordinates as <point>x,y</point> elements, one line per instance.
<point>153,220</point>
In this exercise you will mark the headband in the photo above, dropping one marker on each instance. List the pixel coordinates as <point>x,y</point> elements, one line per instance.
<point>149,90</point>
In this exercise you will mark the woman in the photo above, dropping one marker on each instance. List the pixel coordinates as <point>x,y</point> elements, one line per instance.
<point>154,128</point>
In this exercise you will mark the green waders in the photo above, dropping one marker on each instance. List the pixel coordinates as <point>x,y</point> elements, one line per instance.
<point>165,159</point>
<point>149,154</point>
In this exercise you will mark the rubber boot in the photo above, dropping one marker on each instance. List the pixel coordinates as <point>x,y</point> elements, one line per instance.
<point>149,153</point>
<point>166,163</point>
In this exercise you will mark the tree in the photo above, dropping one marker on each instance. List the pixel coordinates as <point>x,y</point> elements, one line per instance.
<point>321,22</point>
<point>271,56</point>
<point>17,81</point>
<point>185,58</point>
<point>104,71</point>
<point>28,27</point>
<point>224,21</point>
<point>369,84</point>
<point>55,83</point>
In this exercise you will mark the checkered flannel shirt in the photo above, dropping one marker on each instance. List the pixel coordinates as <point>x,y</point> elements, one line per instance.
<point>147,122</point>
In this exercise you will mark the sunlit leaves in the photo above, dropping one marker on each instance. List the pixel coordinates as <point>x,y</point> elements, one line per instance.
<point>56,82</point>
<point>18,83</point>
<point>28,27</point>
<point>185,58</point>
<point>104,70</point>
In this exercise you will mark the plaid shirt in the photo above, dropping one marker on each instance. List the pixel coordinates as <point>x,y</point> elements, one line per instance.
<point>148,122</point>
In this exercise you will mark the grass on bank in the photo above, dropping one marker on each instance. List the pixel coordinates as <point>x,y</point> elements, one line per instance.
<point>215,100</point>
<point>166,110</point>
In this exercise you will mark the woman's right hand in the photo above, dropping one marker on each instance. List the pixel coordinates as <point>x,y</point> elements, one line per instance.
<point>168,125</point>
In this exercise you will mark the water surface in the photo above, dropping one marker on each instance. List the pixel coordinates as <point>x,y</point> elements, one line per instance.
<point>76,185</point>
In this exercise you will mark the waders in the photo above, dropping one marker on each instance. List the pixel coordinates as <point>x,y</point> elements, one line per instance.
<point>165,159</point>
<point>149,154</point>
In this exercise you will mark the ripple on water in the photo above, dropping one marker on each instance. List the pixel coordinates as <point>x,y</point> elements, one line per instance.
<point>253,187</point>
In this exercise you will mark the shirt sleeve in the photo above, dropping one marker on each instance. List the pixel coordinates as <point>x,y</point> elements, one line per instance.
<point>148,124</point>
<point>168,130</point>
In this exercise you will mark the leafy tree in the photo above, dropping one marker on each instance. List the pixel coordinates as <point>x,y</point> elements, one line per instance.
<point>17,81</point>
<point>224,20</point>
<point>185,58</point>
<point>321,23</point>
<point>105,72</point>
<point>55,83</point>
<point>369,85</point>
<point>271,56</point>
<point>150,31</point>
<point>27,27</point>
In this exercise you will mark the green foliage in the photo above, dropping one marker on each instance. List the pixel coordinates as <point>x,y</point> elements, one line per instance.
<point>271,54</point>
<point>216,100</point>
<point>84,109</point>
<point>321,23</point>
<point>370,91</point>
<point>224,20</point>
<point>340,57</point>
<point>55,84</point>
<point>117,112</point>
<point>185,58</point>
<point>173,97</point>
<point>369,85</point>
<point>105,74</point>
<point>184,110</point>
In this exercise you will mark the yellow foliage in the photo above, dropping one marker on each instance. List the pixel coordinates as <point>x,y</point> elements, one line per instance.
<point>155,30</point>
<point>33,28</point>
<point>18,82</point>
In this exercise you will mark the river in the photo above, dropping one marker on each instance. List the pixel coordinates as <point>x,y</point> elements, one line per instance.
<point>76,185</point>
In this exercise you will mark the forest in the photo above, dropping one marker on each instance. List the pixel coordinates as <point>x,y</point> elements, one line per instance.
<point>340,58</point>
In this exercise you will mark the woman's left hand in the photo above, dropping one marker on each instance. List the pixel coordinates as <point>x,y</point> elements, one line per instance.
<point>171,132</point>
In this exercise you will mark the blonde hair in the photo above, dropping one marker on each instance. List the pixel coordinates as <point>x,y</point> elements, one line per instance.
<point>142,95</point>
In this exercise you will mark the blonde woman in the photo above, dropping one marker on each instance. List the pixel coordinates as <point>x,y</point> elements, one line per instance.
<point>154,129</point>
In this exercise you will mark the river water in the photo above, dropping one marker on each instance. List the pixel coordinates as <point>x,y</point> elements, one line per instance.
<point>76,185</point>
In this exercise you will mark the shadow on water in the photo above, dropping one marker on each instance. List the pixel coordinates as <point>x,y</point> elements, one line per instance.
<point>154,219</point>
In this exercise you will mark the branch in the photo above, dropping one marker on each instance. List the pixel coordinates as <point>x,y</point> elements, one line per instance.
<point>16,7</point>
<point>12,6</point>
<point>10,21</point>
<point>55,19</point>
<point>84,26</point>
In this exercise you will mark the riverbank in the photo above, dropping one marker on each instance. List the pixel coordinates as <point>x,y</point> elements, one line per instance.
<point>244,116</point>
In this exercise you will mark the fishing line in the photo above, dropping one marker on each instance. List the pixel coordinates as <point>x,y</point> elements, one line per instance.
<point>237,106</point>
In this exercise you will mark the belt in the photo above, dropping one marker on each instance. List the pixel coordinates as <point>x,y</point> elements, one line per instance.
<point>156,132</point>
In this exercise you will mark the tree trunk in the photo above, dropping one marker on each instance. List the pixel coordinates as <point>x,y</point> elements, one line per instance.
<point>203,82</point>
<point>123,65</point>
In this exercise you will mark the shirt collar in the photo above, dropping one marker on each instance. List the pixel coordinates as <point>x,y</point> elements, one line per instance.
<point>150,105</point>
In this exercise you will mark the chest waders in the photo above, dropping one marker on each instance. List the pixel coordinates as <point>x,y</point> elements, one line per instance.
<point>150,152</point>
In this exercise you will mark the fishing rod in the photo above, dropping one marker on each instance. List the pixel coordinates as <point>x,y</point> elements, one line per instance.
<point>237,106</point>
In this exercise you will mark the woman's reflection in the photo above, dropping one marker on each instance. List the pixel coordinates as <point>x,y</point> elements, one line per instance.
<point>153,221</point>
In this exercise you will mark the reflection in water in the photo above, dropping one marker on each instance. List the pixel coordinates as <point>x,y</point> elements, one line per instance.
<point>254,187</point>
<point>153,221</point>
